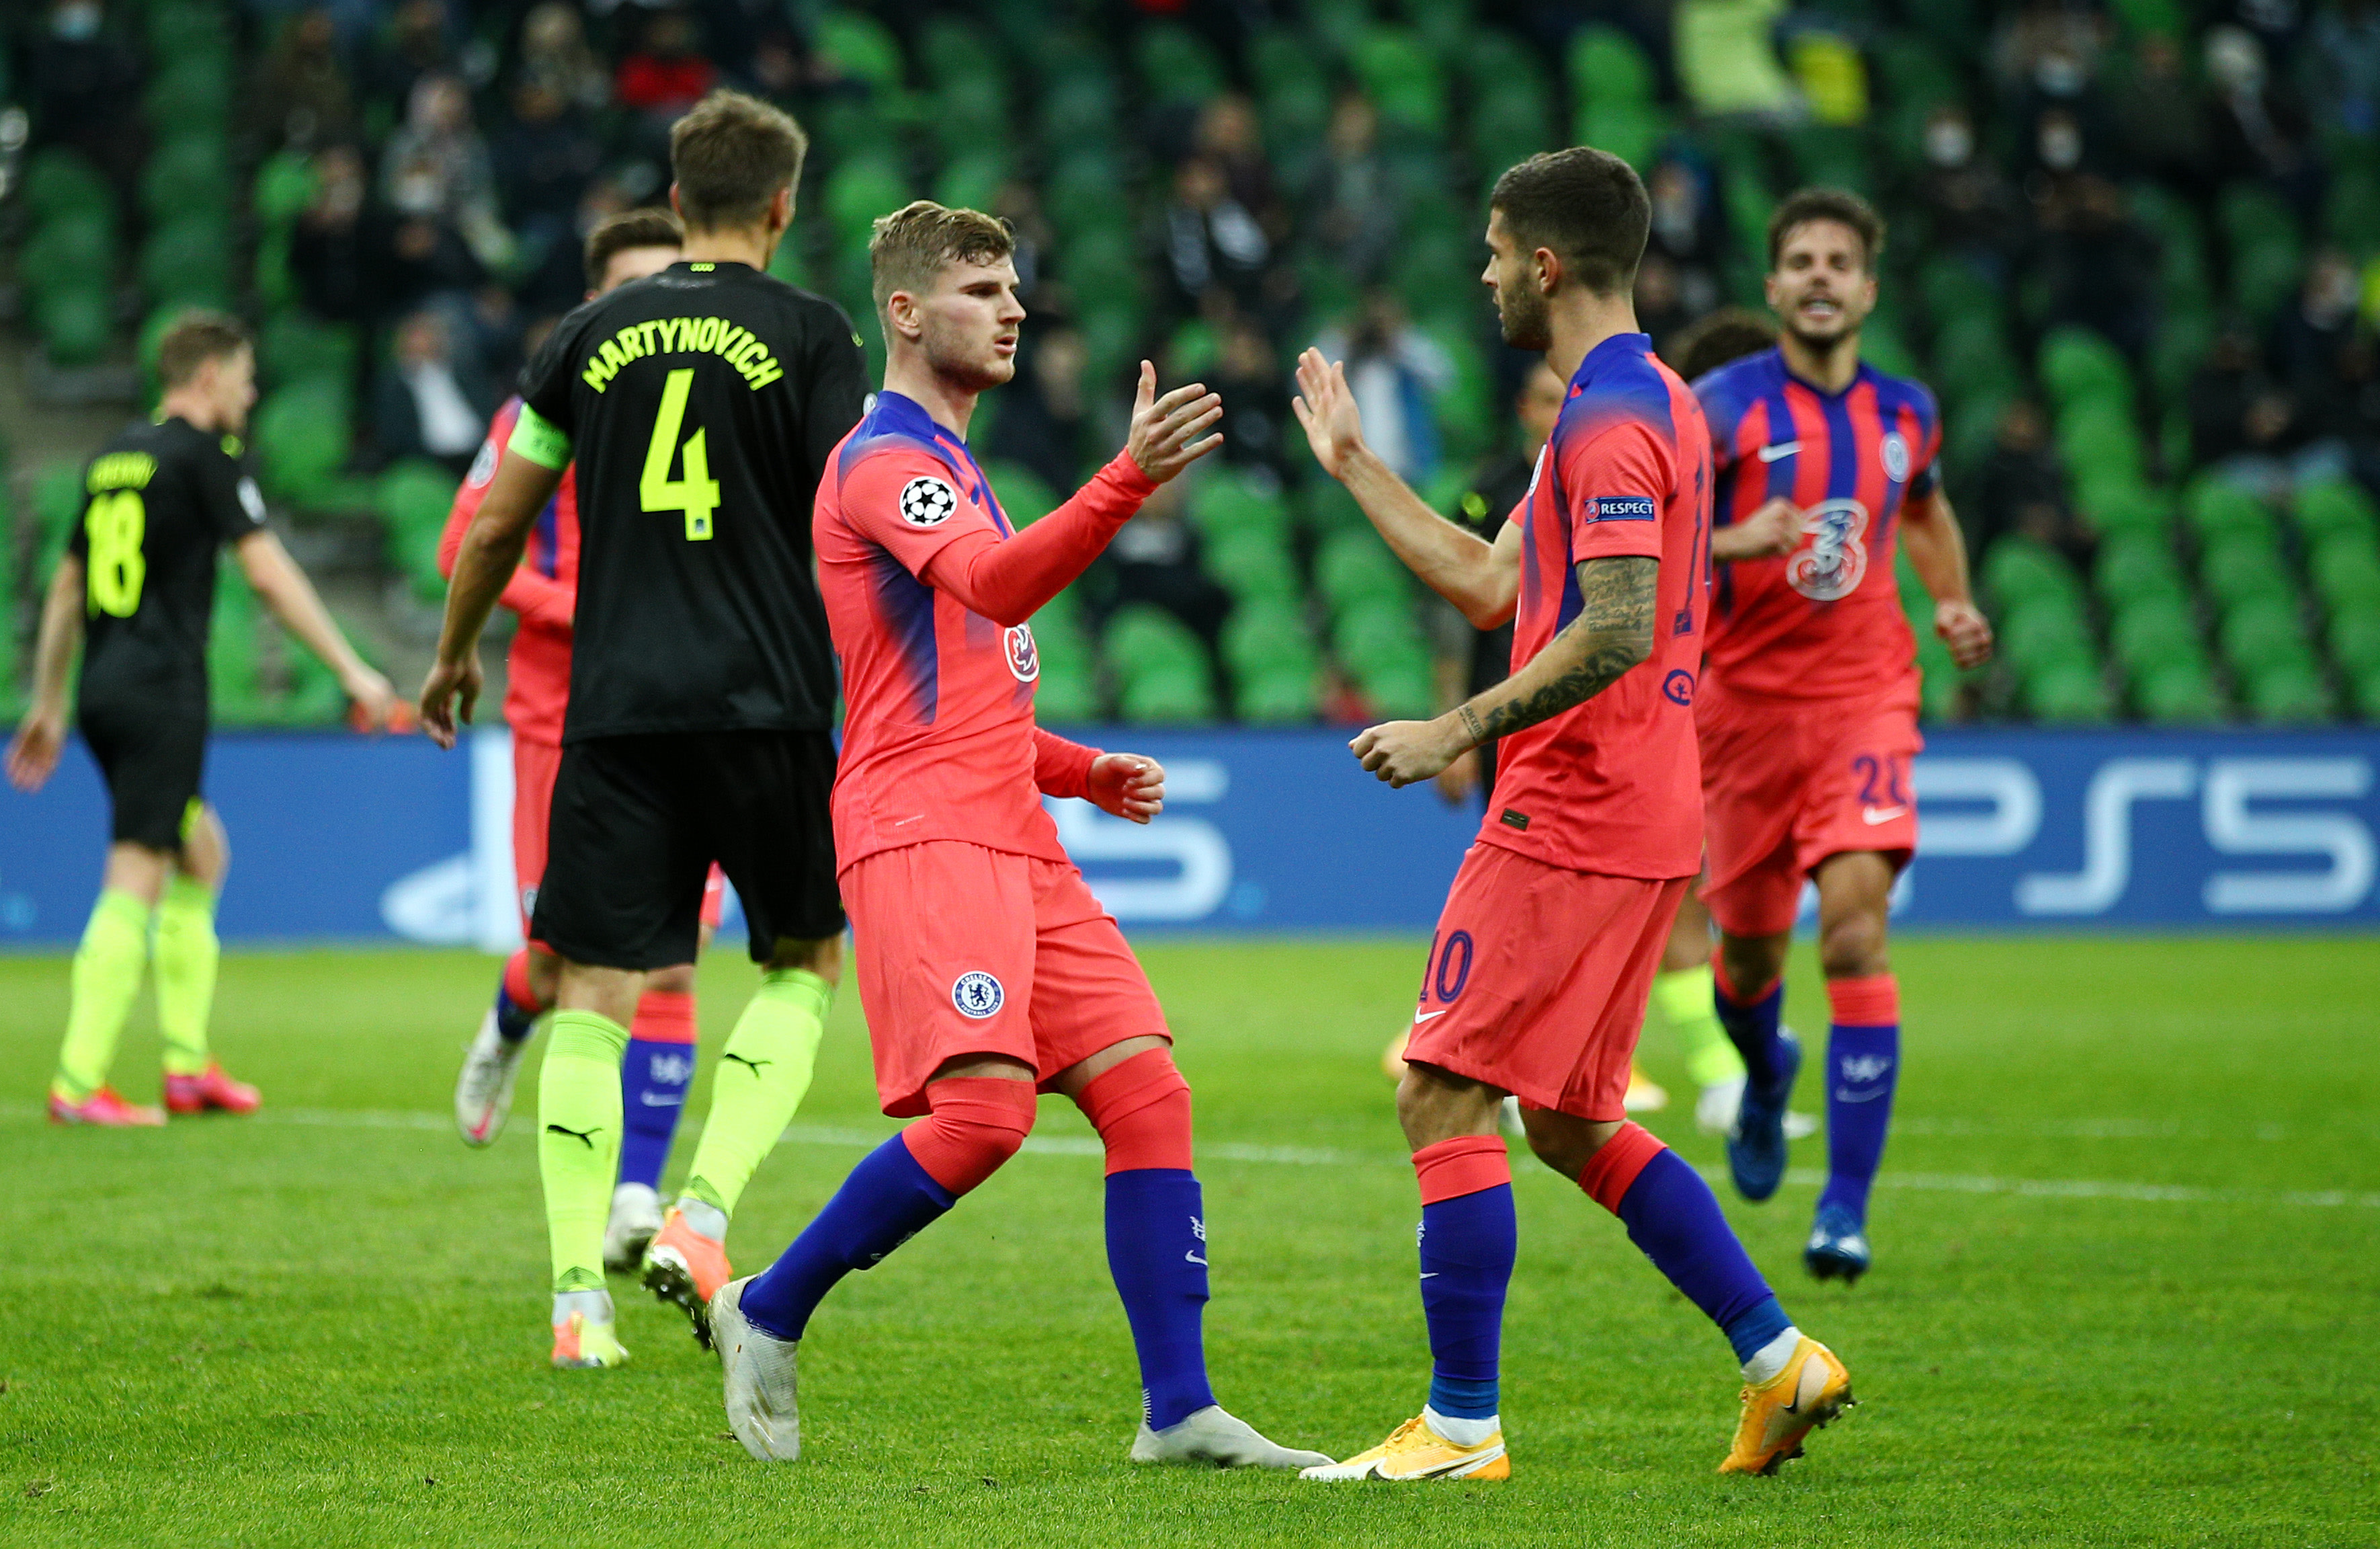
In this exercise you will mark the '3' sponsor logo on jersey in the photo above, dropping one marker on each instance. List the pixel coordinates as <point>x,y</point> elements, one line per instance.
<point>1835,561</point>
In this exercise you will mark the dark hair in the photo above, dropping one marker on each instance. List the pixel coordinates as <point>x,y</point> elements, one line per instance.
<point>1805,205</point>
<point>729,155</point>
<point>1588,206</point>
<point>630,229</point>
<point>194,338</point>
<point>910,245</point>
<point>1713,340</point>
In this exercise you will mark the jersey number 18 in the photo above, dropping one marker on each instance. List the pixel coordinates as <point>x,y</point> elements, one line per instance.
<point>696,493</point>
<point>115,523</point>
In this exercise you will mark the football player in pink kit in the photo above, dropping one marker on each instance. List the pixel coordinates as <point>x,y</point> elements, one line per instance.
<point>1808,713</point>
<point>660,1063</point>
<point>1537,977</point>
<point>987,970</point>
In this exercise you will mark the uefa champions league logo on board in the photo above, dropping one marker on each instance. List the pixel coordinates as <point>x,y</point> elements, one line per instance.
<point>1835,560</point>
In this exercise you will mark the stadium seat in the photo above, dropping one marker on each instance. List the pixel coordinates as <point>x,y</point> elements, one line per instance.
<point>234,686</point>
<point>412,498</point>
<point>284,186</point>
<point>2355,642</point>
<point>2043,630</point>
<point>1023,497</point>
<point>57,505</point>
<point>861,47</point>
<point>2288,693</point>
<point>1178,65</point>
<point>1354,566</point>
<point>2098,432</point>
<point>863,187</point>
<point>2345,568</point>
<point>187,260</point>
<point>2133,565</point>
<point>971,179</point>
<point>1253,562</point>
<point>1226,501</point>
<point>2116,505</point>
<point>2241,564</point>
<point>1160,665</point>
<point>2334,505</point>
<point>1403,79</point>
<point>1630,130</point>
<point>294,347</point>
<point>2077,364</point>
<point>58,181</point>
<point>75,251</point>
<point>189,93</point>
<point>2267,254</point>
<point>2263,634</point>
<point>2068,689</point>
<point>2214,505</point>
<point>2019,571</point>
<point>1272,662</point>
<point>1325,509</point>
<point>2154,633</point>
<point>1606,65</point>
<point>2176,693</point>
<point>190,175</point>
<point>302,438</point>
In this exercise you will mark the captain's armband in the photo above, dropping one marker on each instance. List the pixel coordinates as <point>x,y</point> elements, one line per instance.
<point>539,440</point>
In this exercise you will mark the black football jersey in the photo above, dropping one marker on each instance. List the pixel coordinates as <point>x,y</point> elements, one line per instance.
<point>701,404</point>
<point>158,501</point>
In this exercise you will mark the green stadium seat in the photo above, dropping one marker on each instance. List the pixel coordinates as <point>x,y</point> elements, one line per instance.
<point>2350,214</point>
<point>189,93</point>
<point>1354,566</point>
<point>69,252</point>
<point>1831,155</point>
<point>1938,678</point>
<point>2176,693</point>
<point>2262,633</point>
<point>2214,505</point>
<point>2098,432</point>
<point>1021,492</point>
<point>1227,501</point>
<point>1400,690</point>
<point>1402,76</point>
<point>1178,65</point>
<point>1326,510</point>
<point>412,498</point>
<point>76,324</point>
<point>2355,642</point>
<point>2179,347</point>
<point>2076,363</point>
<point>1077,109</point>
<point>2155,632</point>
<point>235,684</point>
<point>860,191</point>
<point>1970,356</point>
<point>1064,694</point>
<point>2243,566</point>
<point>282,187</point>
<point>2131,566</point>
<point>189,261</point>
<point>57,505</point>
<point>179,29</point>
<point>953,49</point>
<point>2345,568</point>
<point>1253,563</point>
<point>1162,667</point>
<point>62,182</point>
<point>1630,130</point>
<point>2068,692</point>
<point>2043,630</point>
<point>971,180</point>
<point>294,347</point>
<point>1606,65</point>
<point>861,47</point>
<point>188,176</point>
<point>2117,507</point>
<point>2334,505</point>
<point>1276,697</point>
<point>314,698</point>
<point>2267,254</point>
<point>301,438</point>
<point>2287,693</point>
<point>1272,662</point>
<point>2019,571</point>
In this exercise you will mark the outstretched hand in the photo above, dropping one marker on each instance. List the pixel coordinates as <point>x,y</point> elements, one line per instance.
<point>1325,405</point>
<point>1165,435</point>
<point>1128,785</point>
<point>34,753</point>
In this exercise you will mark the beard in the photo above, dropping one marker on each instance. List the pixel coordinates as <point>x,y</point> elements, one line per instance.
<point>1526,318</point>
<point>964,362</point>
<point>1825,337</point>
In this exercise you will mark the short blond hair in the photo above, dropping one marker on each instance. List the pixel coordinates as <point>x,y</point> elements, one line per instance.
<point>911,245</point>
<point>729,155</point>
<point>194,338</point>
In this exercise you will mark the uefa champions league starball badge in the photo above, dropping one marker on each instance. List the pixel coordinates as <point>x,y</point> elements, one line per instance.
<point>927,502</point>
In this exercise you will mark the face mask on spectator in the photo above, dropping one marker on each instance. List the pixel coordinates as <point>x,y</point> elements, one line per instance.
<point>75,23</point>
<point>1948,143</point>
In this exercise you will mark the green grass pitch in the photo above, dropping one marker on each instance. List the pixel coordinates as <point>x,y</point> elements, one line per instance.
<point>2128,1289</point>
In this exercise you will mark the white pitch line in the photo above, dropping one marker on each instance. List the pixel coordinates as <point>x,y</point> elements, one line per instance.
<point>1307,1156</point>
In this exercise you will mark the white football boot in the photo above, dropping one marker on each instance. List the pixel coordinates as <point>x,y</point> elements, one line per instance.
<point>635,1217</point>
<point>757,1369</point>
<point>1214,1437</point>
<point>483,1092</point>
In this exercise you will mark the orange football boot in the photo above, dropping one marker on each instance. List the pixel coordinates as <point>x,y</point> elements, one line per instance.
<point>1812,1391</point>
<point>106,1110</point>
<point>686,1269</point>
<point>209,1090</point>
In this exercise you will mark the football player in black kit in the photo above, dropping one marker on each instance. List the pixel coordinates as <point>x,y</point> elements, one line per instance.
<point>136,589</point>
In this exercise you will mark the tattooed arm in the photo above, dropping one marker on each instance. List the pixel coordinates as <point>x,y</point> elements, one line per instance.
<point>1612,633</point>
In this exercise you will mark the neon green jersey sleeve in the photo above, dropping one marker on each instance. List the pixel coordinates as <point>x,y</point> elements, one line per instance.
<point>539,440</point>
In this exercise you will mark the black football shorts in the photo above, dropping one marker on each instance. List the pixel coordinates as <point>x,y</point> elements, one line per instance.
<point>152,763</point>
<point>637,821</point>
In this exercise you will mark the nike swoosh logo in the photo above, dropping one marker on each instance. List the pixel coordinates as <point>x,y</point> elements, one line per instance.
<point>1779,449</point>
<point>1425,1016</point>
<point>1194,1259</point>
<point>1429,1274</point>
<point>1842,1097</point>
<point>1874,815</point>
<point>649,1101</point>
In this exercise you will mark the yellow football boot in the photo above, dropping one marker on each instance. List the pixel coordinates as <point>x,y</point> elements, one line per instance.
<point>1414,1451</point>
<point>1812,1391</point>
<point>580,1342</point>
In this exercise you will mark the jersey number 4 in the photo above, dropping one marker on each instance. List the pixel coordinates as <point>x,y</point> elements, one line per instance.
<point>696,493</point>
<point>115,523</point>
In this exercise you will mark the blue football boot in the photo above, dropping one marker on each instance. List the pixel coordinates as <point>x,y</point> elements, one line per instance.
<point>1837,1247</point>
<point>1755,1151</point>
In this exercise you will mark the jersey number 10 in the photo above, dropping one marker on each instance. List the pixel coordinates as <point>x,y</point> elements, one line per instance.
<point>115,523</point>
<point>696,493</point>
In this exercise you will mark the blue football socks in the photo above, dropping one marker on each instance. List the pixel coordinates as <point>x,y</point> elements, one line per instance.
<point>654,1079</point>
<point>1673,1218</point>
<point>887,1200</point>
<point>1753,1029</point>
<point>1468,1244</point>
<point>1862,1066</point>
<point>1156,1251</point>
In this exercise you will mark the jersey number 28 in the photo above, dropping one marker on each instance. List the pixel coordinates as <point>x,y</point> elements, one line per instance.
<point>115,523</point>
<point>696,493</point>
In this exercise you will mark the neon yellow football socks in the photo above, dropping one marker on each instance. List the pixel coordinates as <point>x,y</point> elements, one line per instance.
<point>107,968</point>
<point>761,1076</point>
<point>187,953</point>
<point>578,1141</point>
<point>1684,998</point>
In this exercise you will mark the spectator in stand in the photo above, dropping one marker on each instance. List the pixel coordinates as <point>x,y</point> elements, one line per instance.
<point>1155,560</point>
<point>2312,337</point>
<point>2246,426</point>
<point>2257,132</point>
<point>418,41</point>
<point>666,72</point>
<point>1687,232</point>
<point>1230,137</point>
<point>2023,490</point>
<point>330,252</point>
<point>545,158</point>
<point>2097,264</point>
<point>413,259</point>
<point>1019,203</point>
<point>2159,113</point>
<point>1211,239</point>
<point>1042,416</point>
<point>1661,307</point>
<point>426,404</point>
<point>1975,213</point>
<point>302,95</point>
<point>436,167</point>
<point>1358,212</point>
<point>79,77</point>
<point>1396,373</point>
<point>553,53</point>
<point>1256,396</point>
<point>2342,69</point>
